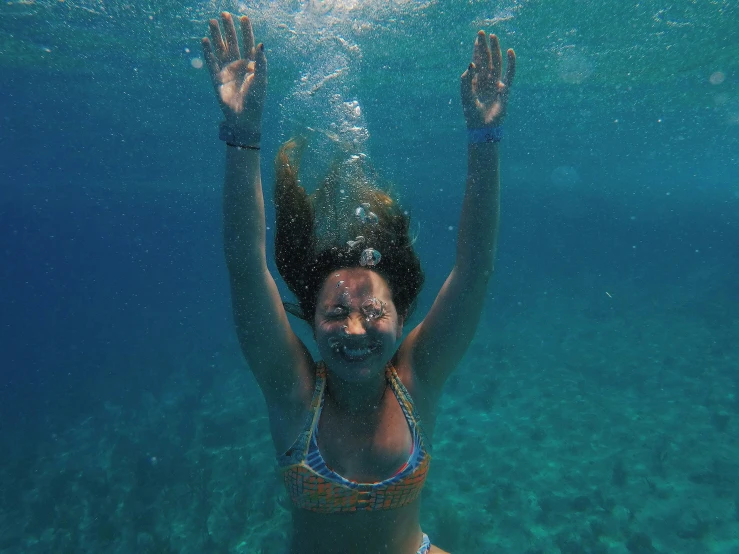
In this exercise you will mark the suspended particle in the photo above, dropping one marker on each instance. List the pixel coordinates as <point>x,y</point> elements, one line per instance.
<point>370,257</point>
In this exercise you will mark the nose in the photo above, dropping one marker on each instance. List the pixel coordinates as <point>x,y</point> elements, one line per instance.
<point>355,325</point>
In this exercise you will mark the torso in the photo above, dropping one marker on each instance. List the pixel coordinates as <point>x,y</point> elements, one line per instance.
<point>362,456</point>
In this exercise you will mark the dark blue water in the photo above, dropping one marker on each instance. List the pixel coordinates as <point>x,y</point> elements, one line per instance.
<point>596,410</point>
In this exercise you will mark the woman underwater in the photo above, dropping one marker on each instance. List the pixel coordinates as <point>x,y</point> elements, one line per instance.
<point>352,432</point>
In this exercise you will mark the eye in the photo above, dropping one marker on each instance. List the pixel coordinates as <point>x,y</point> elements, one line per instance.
<point>337,313</point>
<point>374,308</point>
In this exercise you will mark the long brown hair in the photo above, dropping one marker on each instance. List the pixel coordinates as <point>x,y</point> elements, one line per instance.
<point>311,233</point>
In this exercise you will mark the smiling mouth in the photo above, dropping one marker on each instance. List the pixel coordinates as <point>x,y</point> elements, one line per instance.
<point>355,353</point>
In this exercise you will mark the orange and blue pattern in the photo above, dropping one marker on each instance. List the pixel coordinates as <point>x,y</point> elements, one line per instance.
<point>313,486</point>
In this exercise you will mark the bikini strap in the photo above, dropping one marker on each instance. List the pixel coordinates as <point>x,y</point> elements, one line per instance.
<point>406,403</point>
<point>299,449</point>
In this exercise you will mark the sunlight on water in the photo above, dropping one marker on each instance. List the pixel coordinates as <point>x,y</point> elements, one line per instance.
<point>322,39</point>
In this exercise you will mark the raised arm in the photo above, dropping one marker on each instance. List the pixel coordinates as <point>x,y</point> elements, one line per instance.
<point>274,353</point>
<point>437,345</point>
<point>484,99</point>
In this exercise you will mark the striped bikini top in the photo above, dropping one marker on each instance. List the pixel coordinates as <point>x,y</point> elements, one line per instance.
<point>313,486</point>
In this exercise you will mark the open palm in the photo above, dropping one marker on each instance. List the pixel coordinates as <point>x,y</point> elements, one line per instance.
<point>240,81</point>
<point>484,95</point>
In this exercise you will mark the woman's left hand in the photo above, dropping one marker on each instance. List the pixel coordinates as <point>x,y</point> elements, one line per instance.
<point>484,95</point>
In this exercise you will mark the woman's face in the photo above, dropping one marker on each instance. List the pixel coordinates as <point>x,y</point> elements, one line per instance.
<point>356,325</point>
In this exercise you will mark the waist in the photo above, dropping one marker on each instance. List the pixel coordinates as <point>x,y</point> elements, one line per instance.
<point>358,532</point>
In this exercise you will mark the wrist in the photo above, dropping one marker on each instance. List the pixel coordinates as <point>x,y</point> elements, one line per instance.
<point>239,137</point>
<point>485,135</point>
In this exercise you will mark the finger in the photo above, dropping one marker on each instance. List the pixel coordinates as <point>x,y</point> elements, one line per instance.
<point>215,33</point>
<point>481,55</point>
<point>232,42</point>
<point>247,35</point>
<point>510,71</point>
<point>257,84</point>
<point>496,58</point>
<point>210,60</point>
<point>260,64</point>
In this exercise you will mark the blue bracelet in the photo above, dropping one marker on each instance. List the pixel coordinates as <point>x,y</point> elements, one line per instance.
<point>238,137</point>
<point>484,135</point>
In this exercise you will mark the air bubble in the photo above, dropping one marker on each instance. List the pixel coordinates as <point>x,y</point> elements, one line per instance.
<point>370,257</point>
<point>363,214</point>
<point>717,77</point>
<point>372,308</point>
<point>352,243</point>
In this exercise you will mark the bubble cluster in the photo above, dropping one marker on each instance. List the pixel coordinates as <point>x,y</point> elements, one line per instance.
<point>372,308</point>
<point>364,215</point>
<point>370,257</point>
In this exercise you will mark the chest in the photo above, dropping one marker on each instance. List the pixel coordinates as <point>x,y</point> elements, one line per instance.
<point>366,452</point>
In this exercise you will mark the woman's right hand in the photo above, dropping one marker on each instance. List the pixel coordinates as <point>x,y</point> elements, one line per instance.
<point>239,77</point>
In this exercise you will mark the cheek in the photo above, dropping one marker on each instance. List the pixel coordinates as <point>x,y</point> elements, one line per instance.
<point>394,330</point>
<point>322,332</point>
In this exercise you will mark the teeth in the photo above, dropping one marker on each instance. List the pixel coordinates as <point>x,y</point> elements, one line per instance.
<point>356,352</point>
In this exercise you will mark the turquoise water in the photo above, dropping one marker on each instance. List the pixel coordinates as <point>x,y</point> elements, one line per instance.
<point>596,410</point>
